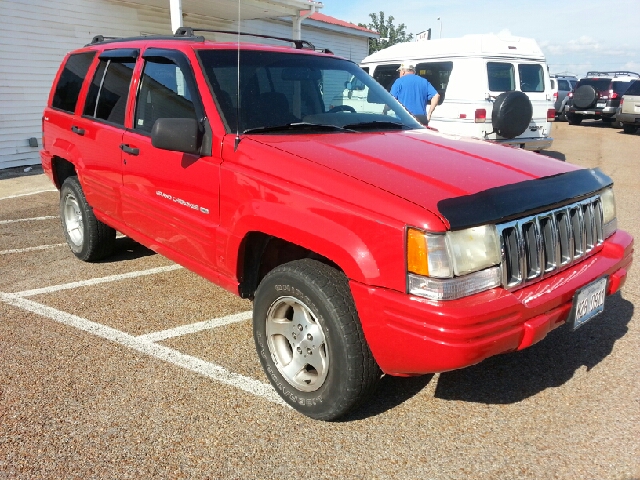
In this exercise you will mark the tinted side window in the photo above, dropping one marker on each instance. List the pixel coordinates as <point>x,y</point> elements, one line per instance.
<point>501,77</point>
<point>70,82</point>
<point>634,89</point>
<point>385,75</point>
<point>620,87</point>
<point>108,93</point>
<point>438,74</point>
<point>164,93</point>
<point>531,78</point>
<point>563,85</point>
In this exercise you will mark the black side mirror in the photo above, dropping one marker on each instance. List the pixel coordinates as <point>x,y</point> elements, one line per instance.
<point>177,134</point>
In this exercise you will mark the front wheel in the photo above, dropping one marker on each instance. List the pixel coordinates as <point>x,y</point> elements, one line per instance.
<point>310,341</point>
<point>88,238</point>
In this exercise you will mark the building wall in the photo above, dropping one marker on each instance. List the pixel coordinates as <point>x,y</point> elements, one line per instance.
<point>35,36</point>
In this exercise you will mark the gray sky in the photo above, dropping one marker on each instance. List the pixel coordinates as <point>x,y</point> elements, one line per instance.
<point>575,35</point>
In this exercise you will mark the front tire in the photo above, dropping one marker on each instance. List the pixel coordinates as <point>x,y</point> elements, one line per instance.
<point>89,238</point>
<point>310,341</point>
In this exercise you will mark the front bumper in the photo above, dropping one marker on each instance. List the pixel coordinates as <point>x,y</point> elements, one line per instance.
<point>410,335</point>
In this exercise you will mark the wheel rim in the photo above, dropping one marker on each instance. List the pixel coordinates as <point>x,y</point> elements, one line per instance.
<point>297,344</point>
<point>73,219</point>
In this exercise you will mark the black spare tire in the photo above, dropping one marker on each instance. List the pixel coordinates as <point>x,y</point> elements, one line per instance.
<point>512,112</point>
<point>585,96</point>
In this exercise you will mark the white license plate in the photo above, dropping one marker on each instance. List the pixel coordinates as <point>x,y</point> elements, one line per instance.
<point>589,302</point>
<point>600,105</point>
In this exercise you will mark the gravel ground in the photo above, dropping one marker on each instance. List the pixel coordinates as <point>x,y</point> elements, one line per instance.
<point>75,405</point>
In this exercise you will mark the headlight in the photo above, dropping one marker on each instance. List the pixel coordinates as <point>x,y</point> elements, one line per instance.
<point>609,212</point>
<point>448,266</point>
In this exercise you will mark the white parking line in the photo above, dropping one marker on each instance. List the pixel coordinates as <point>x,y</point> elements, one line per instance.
<point>34,219</point>
<point>96,281</point>
<point>30,249</point>
<point>195,327</point>
<point>27,194</point>
<point>208,369</point>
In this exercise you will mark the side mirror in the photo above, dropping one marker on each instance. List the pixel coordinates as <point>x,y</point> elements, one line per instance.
<point>348,85</point>
<point>177,134</point>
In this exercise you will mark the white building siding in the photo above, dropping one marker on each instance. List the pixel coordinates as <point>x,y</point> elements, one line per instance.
<point>36,35</point>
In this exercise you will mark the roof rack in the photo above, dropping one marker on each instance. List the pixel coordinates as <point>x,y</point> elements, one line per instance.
<point>620,73</point>
<point>102,39</point>
<point>188,32</point>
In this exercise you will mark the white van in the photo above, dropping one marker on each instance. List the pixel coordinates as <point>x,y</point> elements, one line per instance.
<point>481,80</point>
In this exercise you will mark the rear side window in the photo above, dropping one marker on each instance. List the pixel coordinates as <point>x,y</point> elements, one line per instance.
<point>164,93</point>
<point>501,77</point>
<point>634,89</point>
<point>438,74</point>
<point>385,75</point>
<point>109,90</point>
<point>70,82</point>
<point>564,85</point>
<point>620,87</point>
<point>531,77</point>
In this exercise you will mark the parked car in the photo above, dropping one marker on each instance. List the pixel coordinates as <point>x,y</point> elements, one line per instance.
<point>564,85</point>
<point>367,243</point>
<point>628,114</point>
<point>597,96</point>
<point>490,87</point>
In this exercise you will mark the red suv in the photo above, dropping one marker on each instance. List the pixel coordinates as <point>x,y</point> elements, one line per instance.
<point>368,243</point>
<point>597,96</point>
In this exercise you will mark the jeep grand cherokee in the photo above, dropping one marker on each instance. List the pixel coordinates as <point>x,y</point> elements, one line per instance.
<point>368,243</point>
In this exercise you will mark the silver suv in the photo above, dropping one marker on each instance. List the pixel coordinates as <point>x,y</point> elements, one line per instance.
<point>565,84</point>
<point>629,110</point>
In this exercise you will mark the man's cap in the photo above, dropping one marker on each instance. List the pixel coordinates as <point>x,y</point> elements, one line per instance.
<point>406,66</point>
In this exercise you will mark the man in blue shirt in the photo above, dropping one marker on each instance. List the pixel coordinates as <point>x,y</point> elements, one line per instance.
<point>415,93</point>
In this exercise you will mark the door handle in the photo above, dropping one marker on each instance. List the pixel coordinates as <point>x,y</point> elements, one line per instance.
<point>130,150</point>
<point>77,130</point>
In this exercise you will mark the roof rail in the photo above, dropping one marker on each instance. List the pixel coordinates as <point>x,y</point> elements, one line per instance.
<point>99,39</point>
<point>188,32</point>
<point>619,73</point>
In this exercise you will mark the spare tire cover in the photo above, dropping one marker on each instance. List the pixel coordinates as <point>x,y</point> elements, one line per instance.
<point>585,96</point>
<point>512,112</point>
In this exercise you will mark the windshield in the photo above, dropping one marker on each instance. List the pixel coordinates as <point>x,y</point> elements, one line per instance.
<point>296,91</point>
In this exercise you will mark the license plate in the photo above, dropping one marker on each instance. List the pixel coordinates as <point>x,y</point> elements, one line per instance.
<point>600,104</point>
<point>588,302</point>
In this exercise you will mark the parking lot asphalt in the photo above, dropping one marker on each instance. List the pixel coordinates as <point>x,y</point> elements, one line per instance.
<point>134,367</point>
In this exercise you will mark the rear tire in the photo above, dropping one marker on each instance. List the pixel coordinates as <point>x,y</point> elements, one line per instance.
<point>310,341</point>
<point>574,119</point>
<point>89,238</point>
<point>626,128</point>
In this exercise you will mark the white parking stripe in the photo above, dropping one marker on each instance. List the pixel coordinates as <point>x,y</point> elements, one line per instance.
<point>195,327</point>
<point>96,281</point>
<point>5,222</point>
<point>208,369</point>
<point>30,249</point>
<point>30,193</point>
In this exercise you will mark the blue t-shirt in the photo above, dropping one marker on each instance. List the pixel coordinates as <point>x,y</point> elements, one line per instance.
<point>413,92</point>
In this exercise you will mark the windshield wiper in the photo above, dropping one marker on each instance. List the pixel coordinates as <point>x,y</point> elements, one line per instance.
<point>299,126</point>
<point>377,124</point>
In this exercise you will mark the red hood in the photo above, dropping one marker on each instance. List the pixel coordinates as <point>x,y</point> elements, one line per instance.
<point>420,166</point>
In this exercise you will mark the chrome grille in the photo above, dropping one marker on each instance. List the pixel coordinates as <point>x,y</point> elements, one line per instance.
<point>541,244</point>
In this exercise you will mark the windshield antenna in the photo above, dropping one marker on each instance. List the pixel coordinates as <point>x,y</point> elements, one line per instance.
<point>238,88</point>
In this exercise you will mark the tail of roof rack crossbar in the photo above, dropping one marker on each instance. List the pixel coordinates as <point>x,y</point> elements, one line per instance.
<point>188,32</point>
<point>613,74</point>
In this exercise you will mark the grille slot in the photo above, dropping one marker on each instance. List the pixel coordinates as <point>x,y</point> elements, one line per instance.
<point>542,244</point>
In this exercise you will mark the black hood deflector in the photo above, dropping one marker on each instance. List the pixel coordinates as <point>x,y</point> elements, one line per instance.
<point>502,204</point>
